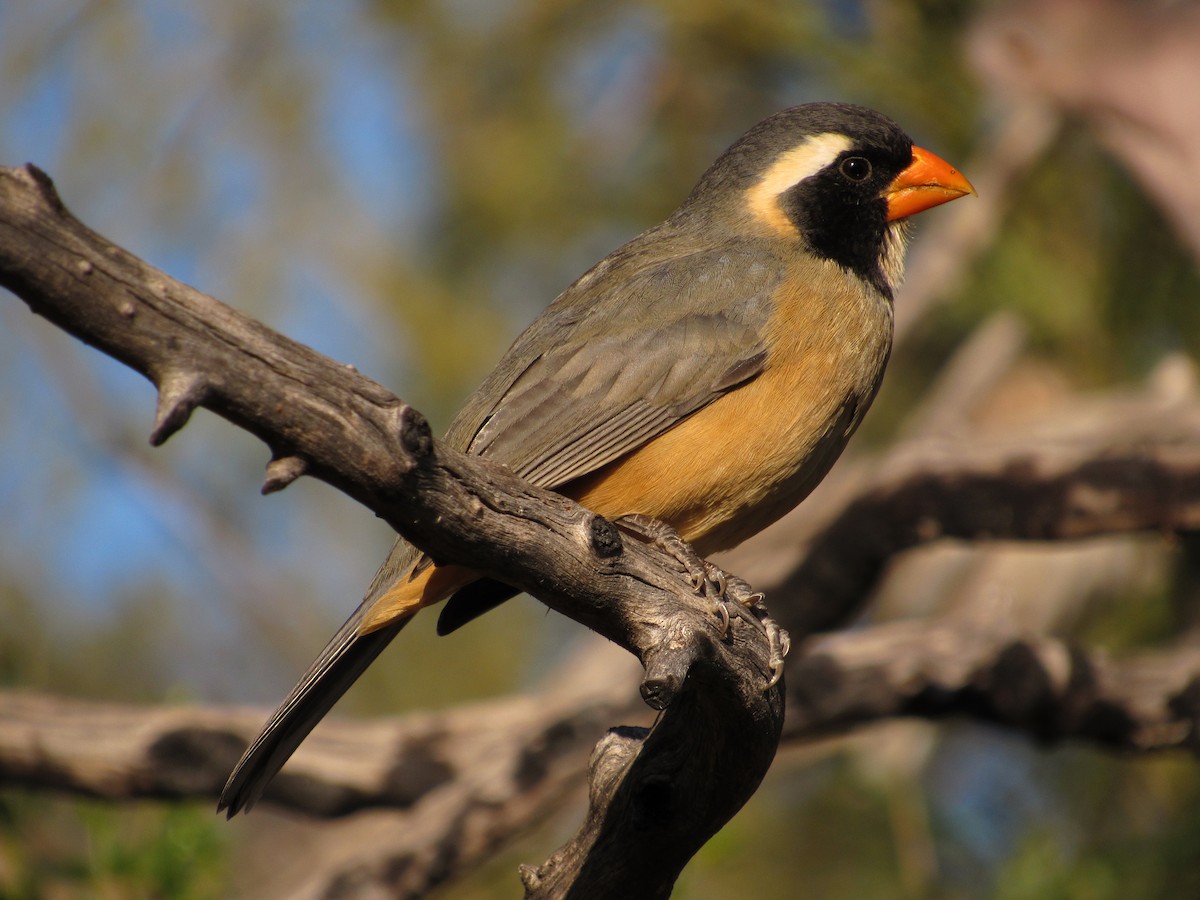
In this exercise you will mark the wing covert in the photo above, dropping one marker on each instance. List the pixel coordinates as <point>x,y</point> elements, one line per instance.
<point>606,383</point>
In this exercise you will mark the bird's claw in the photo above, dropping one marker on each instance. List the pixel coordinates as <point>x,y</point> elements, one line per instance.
<point>780,643</point>
<point>777,639</point>
<point>740,592</point>
<point>715,581</point>
<point>727,592</point>
<point>714,585</point>
<point>705,578</point>
<point>722,613</point>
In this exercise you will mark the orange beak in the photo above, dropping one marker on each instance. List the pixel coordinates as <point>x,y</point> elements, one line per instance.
<point>927,182</point>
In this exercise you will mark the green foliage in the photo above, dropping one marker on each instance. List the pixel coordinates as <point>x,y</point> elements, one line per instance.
<point>65,847</point>
<point>51,847</point>
<point>126,654</point>
<point>1145,843</point>
<point>833,813</point>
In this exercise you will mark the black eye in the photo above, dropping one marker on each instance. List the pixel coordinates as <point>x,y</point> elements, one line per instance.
<point>856,168</point>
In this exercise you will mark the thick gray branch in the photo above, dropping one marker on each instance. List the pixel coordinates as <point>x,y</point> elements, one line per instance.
<point>451,786</point>
<point>326,420</point>
<point>1045,687</point>
<point>1037,684</point>
<point>1056,490</point>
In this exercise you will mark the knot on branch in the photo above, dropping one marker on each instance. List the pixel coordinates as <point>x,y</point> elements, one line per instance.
<point>605,538</point>
<point>415,434</point>
<point>666,666</point>
<point>42,183</point>
<point>282,471</point>
<point>611,758</point>
<point>192,760</point>
<point>1052,692</point>
<point>179,393</point>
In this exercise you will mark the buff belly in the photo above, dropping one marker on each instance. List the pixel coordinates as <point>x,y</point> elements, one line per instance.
<point>746,459</point>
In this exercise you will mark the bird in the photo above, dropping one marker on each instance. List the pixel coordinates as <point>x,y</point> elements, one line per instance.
<point>705,375</point>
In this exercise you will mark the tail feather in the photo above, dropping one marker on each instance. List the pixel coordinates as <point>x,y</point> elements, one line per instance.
<point>340,664</point>
<point>402,587</point>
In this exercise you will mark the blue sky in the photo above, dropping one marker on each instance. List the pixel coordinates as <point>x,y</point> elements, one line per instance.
<point>82,525</point>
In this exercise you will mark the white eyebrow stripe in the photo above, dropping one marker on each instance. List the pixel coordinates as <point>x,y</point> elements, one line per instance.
<point>802,161</point>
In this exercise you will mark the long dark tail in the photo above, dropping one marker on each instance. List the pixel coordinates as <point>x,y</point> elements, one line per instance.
<point>340,664</point>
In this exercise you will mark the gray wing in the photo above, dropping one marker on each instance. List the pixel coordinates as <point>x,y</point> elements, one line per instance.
<point>609,377</point>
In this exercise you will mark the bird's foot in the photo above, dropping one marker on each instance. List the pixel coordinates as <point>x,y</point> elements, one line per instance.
<point>780,642</point>
<point>740,592</point>
<point>728,593</point>
<point>705,578</point>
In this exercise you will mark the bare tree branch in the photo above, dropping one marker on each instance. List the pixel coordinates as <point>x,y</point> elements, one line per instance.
<point>436,793</point>
<point>122,751</point>
<point>1043,686</point>
<point>981,491</point>
<point>328,421</point>
<point>1050,689</point>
